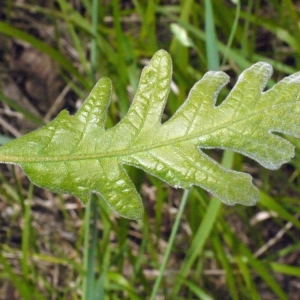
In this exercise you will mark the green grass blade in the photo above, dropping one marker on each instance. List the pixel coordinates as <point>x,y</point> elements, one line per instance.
<point>211,38</point>
<point>226,264</point>
<point>246,273</point>
<point>26,291</point>
<point>26,235</point>
<point>260,267</point>
<point>285,269</point>
<point>91,287</point>
<point>267,202</point>
<point>170,244</point>
<point>86,252</point>
<point>67,11</point>
<point>233,30</point>
<point>264,272</point>
<point>199,292</point>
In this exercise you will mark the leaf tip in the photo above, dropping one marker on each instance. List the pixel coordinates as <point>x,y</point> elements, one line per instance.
<point>242,191</point>
<point>162,57</point>
<point>131,213</point>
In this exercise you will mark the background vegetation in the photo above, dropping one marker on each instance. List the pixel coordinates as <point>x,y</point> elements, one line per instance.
<point>51,53</point>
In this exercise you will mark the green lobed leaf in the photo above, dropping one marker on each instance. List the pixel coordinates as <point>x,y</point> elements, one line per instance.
<point>77,155</point>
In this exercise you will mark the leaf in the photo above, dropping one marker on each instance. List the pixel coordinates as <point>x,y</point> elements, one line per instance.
<point>77,155</point>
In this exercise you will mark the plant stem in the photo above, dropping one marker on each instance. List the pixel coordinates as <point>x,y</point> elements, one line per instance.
<point>170,243</point>
<point>204,230</point>
<point>211,38</point>
<point>94,49</point>
<point>90,248</point>
<point>91,209</point>
<point>86,248</point>
<point>26,266</point>
<point>233,30</point>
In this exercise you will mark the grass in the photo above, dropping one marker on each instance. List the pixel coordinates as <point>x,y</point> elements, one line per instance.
<point>188,246</point>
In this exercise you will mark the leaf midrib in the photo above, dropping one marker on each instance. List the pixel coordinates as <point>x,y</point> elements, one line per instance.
<point>128,151</point>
